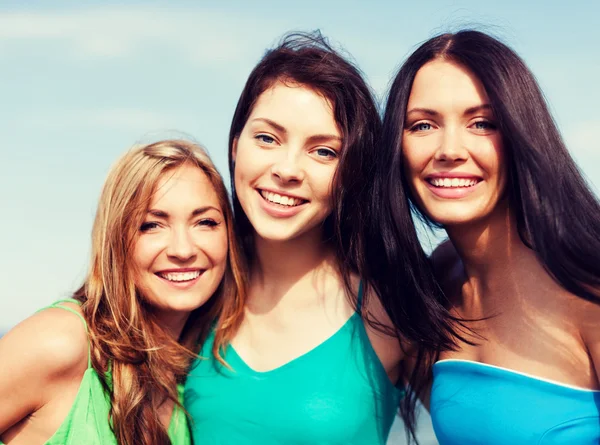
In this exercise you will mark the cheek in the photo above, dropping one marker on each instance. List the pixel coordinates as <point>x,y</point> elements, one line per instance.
<point>246,161</point>
<point>493,161</point>
<point>322,182</point>
<point>216,248</point>
<point>142,260</point>
<point>143,254</point>
<point>414,161</point>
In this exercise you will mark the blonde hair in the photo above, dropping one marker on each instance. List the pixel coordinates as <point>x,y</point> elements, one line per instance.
<point>145,362</point>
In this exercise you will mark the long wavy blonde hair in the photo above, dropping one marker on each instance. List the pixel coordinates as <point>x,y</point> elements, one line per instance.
<point>145,362</point>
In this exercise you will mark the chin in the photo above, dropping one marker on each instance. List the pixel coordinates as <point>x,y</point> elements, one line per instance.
<point>455,218</point>
<point>277,235</point>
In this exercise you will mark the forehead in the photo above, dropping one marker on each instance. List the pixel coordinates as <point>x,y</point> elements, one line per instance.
<point>296,106</point>
<point>446,83</point>
<point>186,185</point>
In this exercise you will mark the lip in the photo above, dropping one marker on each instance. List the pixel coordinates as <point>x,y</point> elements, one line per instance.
<point>180,270</point>
<point>279,211</point>
<point>280,192</point>
<point>450,175</point>
<point>452,192</point>
<point>182,285</point>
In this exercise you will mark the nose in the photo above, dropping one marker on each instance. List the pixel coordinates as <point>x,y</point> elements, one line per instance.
<point>181,245</point>
<point>451,147</point>
<point>288,168</point>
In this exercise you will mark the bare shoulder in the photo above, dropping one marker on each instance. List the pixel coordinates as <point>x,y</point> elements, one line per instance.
<point>382,334</point>
<point>39,355</point>
<point>55,338</point>
<point>588,318</point>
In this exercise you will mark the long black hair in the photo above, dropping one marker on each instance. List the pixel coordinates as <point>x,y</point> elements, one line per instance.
<point>354,227</point>
<point>558,216</point>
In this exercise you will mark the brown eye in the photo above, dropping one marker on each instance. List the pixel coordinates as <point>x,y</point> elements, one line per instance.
<point>148,226</point>
<point>208,222</point>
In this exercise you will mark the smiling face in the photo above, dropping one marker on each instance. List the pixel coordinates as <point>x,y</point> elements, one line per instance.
<point>181,251</point>
<point>285,160</point>
<point>453,151</point>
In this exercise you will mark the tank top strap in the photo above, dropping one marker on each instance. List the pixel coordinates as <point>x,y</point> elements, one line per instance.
<point>59,305</point>
<point>359,298</point>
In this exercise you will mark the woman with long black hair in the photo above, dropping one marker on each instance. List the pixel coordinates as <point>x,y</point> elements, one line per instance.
<point>468,137</point>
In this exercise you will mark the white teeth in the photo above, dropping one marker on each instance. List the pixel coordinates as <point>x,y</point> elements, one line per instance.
<point>180,276</point>
<point>453,182</point>
<point>287,201</point>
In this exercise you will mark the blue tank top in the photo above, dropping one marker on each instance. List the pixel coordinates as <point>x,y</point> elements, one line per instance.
<point>475,403</point>
<point>337,393</point>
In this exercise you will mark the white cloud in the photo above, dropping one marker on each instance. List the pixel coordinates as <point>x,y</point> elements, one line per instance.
<point>118,32</point>
<point>130,119</point>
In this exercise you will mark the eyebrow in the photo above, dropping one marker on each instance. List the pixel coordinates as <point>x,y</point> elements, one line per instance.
<point>427,111</point>
<point>313,139</point>
<point>320,138</point>
<point>430,112</point>
<point>199,211</point>
<point>273,124</point>
<point>477,108</point>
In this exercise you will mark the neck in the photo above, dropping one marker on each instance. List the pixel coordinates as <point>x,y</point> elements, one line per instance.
<point>493,255</point>
<point>278,265</point>
<point>173,322</point>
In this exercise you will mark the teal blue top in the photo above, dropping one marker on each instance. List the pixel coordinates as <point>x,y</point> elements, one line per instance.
<point>474,403</point>
<point>337,393</point>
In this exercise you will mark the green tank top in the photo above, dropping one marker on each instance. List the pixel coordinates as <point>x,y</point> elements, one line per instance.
<point>88,420</point>
<point>337,393</point>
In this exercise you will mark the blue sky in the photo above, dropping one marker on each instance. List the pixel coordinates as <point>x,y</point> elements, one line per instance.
<point>81,82</point>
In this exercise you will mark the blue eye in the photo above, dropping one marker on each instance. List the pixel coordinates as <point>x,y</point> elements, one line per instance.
<point>326,153</point>
<point>265,138</point>
<point>422,126</point>
<point>484,125</point>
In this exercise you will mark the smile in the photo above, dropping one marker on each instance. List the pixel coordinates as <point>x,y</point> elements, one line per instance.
<point>282,200</point>
<point>453,182</point>
<point>179,277</point>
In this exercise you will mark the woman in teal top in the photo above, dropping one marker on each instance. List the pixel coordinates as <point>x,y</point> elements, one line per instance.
<point>159,255</point>
<point>310,362</point>
<point>481,156</point>
<point>336,393</point>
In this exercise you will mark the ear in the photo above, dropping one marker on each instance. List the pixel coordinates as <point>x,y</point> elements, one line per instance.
<point>234,149</point>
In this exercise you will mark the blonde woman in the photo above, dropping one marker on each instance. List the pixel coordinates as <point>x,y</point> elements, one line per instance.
<point>106,366</point>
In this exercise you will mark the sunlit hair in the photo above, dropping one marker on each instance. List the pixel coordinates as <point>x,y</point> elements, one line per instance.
<point>146,363</point>
<point>557,214</point>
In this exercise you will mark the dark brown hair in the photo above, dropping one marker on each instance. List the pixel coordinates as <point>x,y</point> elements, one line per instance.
<point>415,303</point>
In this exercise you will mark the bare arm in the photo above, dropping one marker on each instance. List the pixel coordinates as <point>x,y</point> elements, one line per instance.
<point>387,347</point>
<point>38,356</point>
